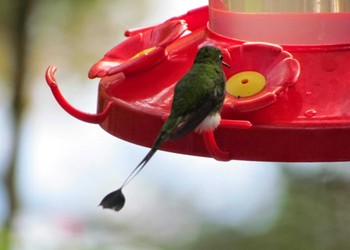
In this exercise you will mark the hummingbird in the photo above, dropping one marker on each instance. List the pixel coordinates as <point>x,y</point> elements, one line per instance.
<point>196,106</point>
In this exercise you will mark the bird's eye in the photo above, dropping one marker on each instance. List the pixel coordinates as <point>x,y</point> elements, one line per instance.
<point>221,57</point>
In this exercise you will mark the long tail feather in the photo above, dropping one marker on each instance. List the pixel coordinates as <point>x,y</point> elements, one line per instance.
<point>140,166</point>
<point>158,142</point>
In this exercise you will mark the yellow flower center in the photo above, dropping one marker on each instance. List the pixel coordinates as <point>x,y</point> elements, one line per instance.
<point>245,84</point>
<point>143,52</point>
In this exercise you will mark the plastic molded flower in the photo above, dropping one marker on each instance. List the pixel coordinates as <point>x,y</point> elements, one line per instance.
<point>260,72</point>
<point>143,50</point>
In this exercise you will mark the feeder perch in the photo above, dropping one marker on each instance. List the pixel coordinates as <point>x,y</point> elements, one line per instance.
<point>287,89</point>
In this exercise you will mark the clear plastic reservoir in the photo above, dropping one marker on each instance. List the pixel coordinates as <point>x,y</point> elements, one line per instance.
<point>319,22</point>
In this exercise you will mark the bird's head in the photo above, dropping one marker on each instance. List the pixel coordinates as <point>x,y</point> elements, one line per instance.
<point>210,55</point>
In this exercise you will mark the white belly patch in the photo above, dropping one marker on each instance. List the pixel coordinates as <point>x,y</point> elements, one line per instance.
<point>210,122</point>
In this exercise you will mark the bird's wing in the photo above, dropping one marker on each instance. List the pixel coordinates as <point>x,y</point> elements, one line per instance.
<point>195,97</point>
<point>191,120</point>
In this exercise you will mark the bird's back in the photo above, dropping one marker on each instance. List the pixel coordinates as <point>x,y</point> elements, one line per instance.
<point>200,92</point>
<point>201,84</point>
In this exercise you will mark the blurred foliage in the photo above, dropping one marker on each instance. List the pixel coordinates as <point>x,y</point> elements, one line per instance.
<point>314,216</point>
<point>5,239</point>
<point>7,7</point>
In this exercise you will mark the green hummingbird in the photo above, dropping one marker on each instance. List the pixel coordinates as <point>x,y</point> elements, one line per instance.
<point>197,102</point>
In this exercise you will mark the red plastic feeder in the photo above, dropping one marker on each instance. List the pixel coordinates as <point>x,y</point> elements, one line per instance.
<point>287,97</point>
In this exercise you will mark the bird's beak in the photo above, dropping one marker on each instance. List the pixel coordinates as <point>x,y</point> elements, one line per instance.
<point>226,64</point>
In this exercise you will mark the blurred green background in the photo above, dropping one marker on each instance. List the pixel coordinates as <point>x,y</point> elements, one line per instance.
<point>55,169</point>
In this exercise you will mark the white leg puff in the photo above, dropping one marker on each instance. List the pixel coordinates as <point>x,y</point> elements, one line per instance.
<point>210,122</point>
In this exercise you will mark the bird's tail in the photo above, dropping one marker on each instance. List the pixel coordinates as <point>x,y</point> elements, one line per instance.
<point>158,142</point>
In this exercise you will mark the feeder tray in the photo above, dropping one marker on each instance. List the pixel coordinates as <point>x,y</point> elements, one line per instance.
<point>287,103</point>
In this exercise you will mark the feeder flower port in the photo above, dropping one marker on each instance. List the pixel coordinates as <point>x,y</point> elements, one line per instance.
<point>128,56</point>
<point>277,106</point>
<point>260,73</point>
